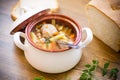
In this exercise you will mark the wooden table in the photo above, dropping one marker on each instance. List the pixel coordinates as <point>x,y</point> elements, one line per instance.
<point>14,66</point>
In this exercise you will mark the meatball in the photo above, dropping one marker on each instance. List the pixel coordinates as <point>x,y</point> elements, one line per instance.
<point>48,30</point>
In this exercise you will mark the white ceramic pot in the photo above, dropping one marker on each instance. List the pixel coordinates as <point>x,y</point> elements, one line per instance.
<point>51,62</point>
<point>47,61</point>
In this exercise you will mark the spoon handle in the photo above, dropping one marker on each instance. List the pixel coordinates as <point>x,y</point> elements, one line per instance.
<point>73,46</point>
<point>69,44</point>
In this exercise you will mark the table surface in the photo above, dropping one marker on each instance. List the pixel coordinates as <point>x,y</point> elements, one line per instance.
<point>13,64</point>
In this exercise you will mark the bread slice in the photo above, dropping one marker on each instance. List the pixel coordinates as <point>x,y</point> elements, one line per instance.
<point>23,6</point>
<point>104,22</point>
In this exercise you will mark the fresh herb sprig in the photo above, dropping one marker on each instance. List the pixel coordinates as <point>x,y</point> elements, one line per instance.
<point>113,73</point>
<point>104,70</point>
<point>88,72</point>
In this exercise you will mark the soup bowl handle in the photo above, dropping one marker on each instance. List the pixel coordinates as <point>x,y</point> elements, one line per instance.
<point>18,42</point>
<point>88,38</point>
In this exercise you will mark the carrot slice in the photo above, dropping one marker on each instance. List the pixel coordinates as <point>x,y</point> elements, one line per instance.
<point>53,46</point>
<point>72,36</point>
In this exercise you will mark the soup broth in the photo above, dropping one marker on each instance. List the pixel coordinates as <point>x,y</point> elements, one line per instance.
<point>53,35</point>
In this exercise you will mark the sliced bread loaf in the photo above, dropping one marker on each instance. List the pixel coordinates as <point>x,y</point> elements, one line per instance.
<point>104,22</point>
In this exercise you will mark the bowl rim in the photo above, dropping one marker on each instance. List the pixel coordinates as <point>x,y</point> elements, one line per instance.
<point>55,16</point>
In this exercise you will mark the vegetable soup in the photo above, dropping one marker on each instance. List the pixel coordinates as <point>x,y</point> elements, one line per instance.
<point>53,35</point>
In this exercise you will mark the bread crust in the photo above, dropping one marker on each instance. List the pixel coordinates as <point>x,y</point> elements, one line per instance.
<point>101,12</point>
<point>105,8</point>
<point>13,16</point>
<point>108,28</point>
<point>17,5</point>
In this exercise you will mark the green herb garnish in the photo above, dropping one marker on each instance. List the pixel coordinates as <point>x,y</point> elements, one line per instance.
<point>104,70</point>
<point>40,78</point>
<point>113,73</point>
<point>47,41</point>
<point>88,72</point>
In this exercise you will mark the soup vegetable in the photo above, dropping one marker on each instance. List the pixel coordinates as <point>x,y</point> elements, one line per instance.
<point>52,36</point>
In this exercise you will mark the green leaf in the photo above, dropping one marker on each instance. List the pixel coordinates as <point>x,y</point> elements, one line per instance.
<point>104,72</point>
<point>85,71</point>
<point>88,73</point>
<point>39,78</point>
<point>93,68</point>
<point>84,76</point>
<point>89,79</point>
<point>106,65</point>
<point>87,65</point>
<point>114,72</point>
<point>47,41</point>
<point>95,61</point>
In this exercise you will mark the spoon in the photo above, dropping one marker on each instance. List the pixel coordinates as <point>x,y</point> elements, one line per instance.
<point>70,45</point>
<point>73,46</point>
